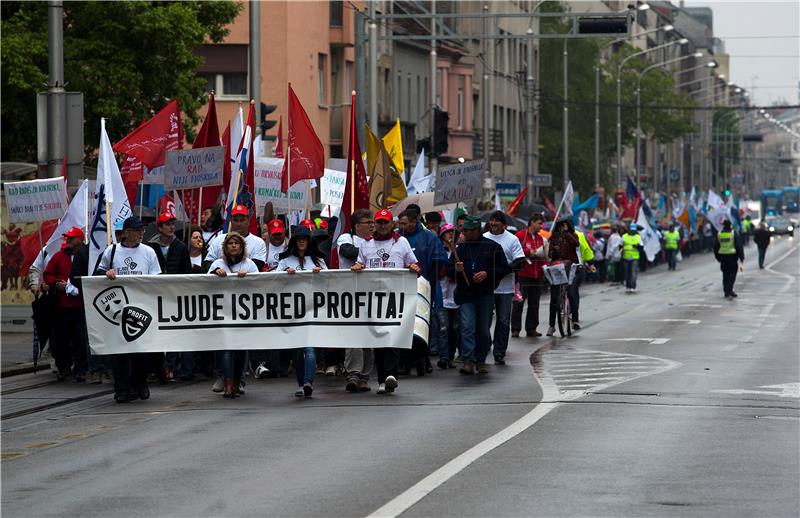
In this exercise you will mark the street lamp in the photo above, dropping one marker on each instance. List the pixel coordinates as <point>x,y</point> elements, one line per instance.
<point>665,28</point>
<point>681,41</point>
<point>709,65</point>
<point>639,106</point>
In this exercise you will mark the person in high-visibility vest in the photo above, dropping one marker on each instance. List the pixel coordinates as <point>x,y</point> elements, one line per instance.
<point>747,229</point>
<point>728,251</point>
<point>631,244</point>
<point>672,239</point>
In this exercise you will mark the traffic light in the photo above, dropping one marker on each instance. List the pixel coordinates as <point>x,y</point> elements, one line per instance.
<point>266,124</point>
<point>603,25</point>
<point>440,131</point>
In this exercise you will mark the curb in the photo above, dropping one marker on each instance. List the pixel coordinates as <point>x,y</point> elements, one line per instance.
<point>23,368</point>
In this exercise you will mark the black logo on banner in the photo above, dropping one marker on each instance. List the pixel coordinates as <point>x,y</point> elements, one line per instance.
<point>135,322</point>
<point>109,303</point>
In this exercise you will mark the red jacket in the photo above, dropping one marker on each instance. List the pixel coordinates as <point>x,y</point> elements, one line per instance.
<point>532,268</point>
<point>59,269</point>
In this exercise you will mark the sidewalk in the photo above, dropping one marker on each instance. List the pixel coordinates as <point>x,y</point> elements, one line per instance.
<point>16,354</point>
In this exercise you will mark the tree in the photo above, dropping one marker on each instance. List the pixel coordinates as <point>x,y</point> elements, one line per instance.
<point>129,58</point>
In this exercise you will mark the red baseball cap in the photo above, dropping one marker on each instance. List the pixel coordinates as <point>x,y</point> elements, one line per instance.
<point>276,226</point>
<point>308,224</point>
<point>323,224</point>
<point>164,217</point>
<point>383,214</point>
<point>75,232</point>
<point>240,209</point>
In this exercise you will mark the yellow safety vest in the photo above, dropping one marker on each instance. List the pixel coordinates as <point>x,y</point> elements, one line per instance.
<point>587,255</point>
<point>726,246</point>
<point>671,239</point>
<point>747,224</point>
<point>629,244</point>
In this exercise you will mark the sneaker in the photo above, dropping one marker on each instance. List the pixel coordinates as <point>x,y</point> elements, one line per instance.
<point>95,378</point>
<point>499,361</point>
<point>331,371</point>
<point>143,392</point>
<point>534,334</point>
<point>62,374</point>
<point>576,326</point>
<point>218,385</point>
<point>122,397</point>
<point>152,378</point>
<point>514,334</point>
<point>363,386</point>
<point>352,386</point>
<point>733,294</point>
<point>551,331</point>
<point>169,376</point>
<point>468,368</point>
<point>390,384</point>
<point>381,388</point>
<point>483,368</point>
<point>299,393</point>
<point>628,290</point>
<point>308,390</point>
<point>262,372</point>
<point>443,363</point>
<point>241,388</point>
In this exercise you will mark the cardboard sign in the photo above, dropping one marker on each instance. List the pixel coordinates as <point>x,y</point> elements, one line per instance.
<point>459,182</point>
<point>191,168</point>
<point>35,200</point>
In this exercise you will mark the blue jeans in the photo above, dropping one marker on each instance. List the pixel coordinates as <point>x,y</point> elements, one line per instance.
<point>762,253</point>
<point>437,339</point>
<point>304,361</point>
<point>502,326</point>
<point>186,363</point>
<point>224,360</point>
<point>631,269</point>
<point>476,321</point>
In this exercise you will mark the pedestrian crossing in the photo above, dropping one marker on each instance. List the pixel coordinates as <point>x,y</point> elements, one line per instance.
<point>577,372</point>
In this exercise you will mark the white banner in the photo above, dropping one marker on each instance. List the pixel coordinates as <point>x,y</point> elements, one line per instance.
<point>267,177</point>
<point>35,200</point>
<point>459,182</point>
<point>333,308</point>
<point>191,168</point>
<point>332,187</point>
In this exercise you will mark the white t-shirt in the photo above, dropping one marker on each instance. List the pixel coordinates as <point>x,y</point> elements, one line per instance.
<point>513,250</point>
<point>273,251</point>
<point>390,253</point>
<point>347,239</point>
<point>246,265</point>
<point>294,263</point>
<point>196,261</point>
<point>139,260</point>
<point>256,248</point>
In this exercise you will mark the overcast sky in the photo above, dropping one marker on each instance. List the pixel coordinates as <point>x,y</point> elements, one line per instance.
<point>750,28</point>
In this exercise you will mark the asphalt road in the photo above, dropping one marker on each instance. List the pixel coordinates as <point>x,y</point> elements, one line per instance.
<point>670,402</point>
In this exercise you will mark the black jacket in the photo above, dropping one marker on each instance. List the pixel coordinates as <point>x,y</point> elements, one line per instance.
<point>761,237</point>
<point>483,255</point>
<point>177,260</point>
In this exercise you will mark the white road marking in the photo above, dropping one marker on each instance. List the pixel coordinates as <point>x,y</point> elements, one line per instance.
<point>684,320</point>
<point>708,306</point>
<point>552,397</point>
<point>786,390</point>
<point>653,341</point>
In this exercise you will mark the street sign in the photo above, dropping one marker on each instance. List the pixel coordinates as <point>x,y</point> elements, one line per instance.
<point>542,180</point>
<point>508,191</point>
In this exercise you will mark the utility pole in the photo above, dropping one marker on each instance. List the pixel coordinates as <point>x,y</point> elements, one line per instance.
<point>255,63</point>
<point>485,98</point>
<point>566,116</point>
<point>434,160</point>
<point>372,63</point>
<point>56,95</point>
<point>530,101</point>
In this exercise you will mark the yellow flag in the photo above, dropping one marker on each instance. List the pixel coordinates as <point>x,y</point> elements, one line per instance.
<point>386,186</point>
<point>373,150</point>
<point>394,146</point>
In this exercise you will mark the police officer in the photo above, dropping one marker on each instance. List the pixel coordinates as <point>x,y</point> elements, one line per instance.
<point>728,249</point>
<point>671,239</point>
<point>631,243</point>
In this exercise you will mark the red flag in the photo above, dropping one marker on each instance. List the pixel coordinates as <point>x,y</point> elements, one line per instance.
<point>514,206</point>
<point>279,140</point>
<point>359,199</point>
<point>631,210</point>
<point>207,136</point>
<point>132,173</point>
<point>306,156</point>
<point>549,205</point>
<point>151,140</point>
<point>29,245</point>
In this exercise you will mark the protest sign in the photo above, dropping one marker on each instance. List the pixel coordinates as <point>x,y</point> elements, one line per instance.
<point>153,313</point>
<point>458,182</point>
<point>191,168</point>
<point>267,177</point>
<point>35,200</point>
<point>153,176</point>
<point>332,187</point>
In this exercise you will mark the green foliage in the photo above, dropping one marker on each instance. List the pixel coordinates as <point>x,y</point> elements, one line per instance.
<point>129,58</point>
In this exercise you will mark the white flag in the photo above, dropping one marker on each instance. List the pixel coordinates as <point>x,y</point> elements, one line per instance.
<point>77,215</point>
<point>109,188</point>
<point>237,132</point>
<point>565,207</point>
<point>650,240</point>
<point>497,204</point>
<point>714,200</point>
<point>417,175</point>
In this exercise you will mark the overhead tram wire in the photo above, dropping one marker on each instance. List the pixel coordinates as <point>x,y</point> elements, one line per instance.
<point>592,102</point>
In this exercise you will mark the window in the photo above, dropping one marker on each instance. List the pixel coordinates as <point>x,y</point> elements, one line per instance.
<point>225,70</point>
<point>337,13</point>
<point>460,103</point>
<point>348,72</point>
<point>322,78</point>
<point>234,84</point>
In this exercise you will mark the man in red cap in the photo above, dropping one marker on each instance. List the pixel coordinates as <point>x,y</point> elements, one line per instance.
<point>386,249</point>
<point>277,242</point>
<point>173,258</point>
<point>71,340</point>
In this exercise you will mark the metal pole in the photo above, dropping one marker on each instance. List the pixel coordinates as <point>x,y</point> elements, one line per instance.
<point>485,99</point>
<point>372,64</point>
<point>360,73</point>
<point>691,160</point>
<point>619,127</point>
<point>638,151</point>
<point>255,62</point>
<point>566,116</point>
<point>56,95</point>
<point>529,115</point>
<point>597,124</point>
<point>434,160</point>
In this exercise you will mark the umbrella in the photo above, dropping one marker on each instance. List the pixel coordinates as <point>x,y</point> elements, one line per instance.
<point>425,202</point>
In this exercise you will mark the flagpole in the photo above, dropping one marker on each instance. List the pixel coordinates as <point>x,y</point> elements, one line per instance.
<point>289,188</point>
<point>141,197</point>
<point>200,207</point>
<point>108,223</point>
<point>41,243</point>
